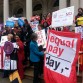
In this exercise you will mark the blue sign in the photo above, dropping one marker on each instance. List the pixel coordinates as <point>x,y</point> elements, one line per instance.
<point>20,22</point>
<point>10,24</point>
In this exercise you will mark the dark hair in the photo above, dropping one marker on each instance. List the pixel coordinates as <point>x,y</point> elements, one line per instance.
<point>80,9</point>
<point>26,21</point>
<point>16,27</point>
<point>34,36</point>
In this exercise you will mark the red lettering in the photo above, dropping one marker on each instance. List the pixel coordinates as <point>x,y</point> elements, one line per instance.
<point>50,48</point>
<point>52,39</point>
<point>73,43</point>
<point>57,41</point>
<point>68,43</point>
<point>55,50</point>
<point>40,41</point>
<point>62,42</point>
<point>60,52</point>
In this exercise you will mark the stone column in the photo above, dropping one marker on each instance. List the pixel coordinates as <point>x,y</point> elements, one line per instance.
<point>28,9</point>
<point>5,10</point>
<point>44,9</point>
<point>62,4</point>
<point>75,3</point>
<point>81,3</point>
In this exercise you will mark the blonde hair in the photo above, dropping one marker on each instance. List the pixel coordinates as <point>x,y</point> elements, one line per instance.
<point>10,36</point>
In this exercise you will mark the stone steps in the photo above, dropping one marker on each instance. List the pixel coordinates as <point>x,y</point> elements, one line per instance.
<point>29,75</point>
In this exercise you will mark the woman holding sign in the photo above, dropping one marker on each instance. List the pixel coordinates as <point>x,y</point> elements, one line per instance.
<point>10,54</point>
<point>79,17</point>
<point>35,56</point>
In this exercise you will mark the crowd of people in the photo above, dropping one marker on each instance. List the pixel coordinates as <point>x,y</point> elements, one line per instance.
<point>79,22</point>
<point>28,47</point>
<point>20,35</point>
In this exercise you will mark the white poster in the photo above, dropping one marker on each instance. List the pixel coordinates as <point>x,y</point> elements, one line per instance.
<point>41,38</point>
<point>7,64</point>
<point>15,45</point>
<point>34,25</point>
<point>13,64</point>
<point>63,17</point>
<point>3,40</point>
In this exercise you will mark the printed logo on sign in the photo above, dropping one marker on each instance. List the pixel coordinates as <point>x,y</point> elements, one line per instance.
<point>55,15</point>
<point>59,49</point>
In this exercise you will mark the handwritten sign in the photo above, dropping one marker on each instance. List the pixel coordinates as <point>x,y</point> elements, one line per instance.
<point>63,17</point>
<point>41,38</point>
<point>34,25</point>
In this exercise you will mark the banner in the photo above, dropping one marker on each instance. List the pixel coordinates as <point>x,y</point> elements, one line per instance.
<point>41,38</point>
<point>63,17</point>
<point>10,64</point>
<point>79,30</point>
<point>62,55</point>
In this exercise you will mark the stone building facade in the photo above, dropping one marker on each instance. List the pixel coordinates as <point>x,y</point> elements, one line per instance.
<point>27,8</point>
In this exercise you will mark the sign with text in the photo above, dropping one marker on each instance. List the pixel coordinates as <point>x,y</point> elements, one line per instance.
<point>41,38</point>
<point>63,17</point>
<point>34,25</point>
<point>3,40</point>
<point>61,54</point>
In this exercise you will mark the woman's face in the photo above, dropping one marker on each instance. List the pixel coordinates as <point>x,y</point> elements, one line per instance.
<point>9,37</point>
<point>80,11</point>
<point>17,38</point>
<point>36,38</point>
<point>39,27</point>
<point>45,24</point>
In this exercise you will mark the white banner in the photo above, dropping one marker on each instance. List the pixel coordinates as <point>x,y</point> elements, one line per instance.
<point>63,17</point>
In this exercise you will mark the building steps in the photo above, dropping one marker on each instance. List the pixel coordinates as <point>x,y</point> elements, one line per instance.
<point>29,75</point>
